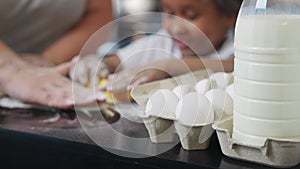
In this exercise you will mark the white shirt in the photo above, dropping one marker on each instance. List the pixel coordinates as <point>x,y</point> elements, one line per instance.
<point>161,46</point>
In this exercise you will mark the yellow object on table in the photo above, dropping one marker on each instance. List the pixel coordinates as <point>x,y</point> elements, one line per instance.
<point>118,96</point>
<point>111,96</point>
<point>103,82</point>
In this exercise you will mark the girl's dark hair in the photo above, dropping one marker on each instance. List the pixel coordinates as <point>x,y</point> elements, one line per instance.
<point>228,7</point>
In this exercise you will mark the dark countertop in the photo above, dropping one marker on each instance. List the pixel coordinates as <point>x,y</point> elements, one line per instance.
<point>41,139</point>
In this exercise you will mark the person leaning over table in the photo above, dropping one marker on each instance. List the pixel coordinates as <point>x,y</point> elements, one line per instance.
<point>36,33</point>
<point>196,34</point>
<point>51,32</point>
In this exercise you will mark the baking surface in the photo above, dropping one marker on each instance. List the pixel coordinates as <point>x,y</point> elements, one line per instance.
<point>67,128</point>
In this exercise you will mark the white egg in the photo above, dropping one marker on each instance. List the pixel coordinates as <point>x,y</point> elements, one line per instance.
<point>222,79</point>
<point>162,103</point>
<point>182,90</point>
<point>221,101</point>
<point>230,90</point>
<point>194,109</point>
<point>205,85</point>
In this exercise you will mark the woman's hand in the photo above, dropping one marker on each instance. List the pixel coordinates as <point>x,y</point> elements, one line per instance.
<point>47,87</point>
<point>40,85</point>
<point>88,70</point>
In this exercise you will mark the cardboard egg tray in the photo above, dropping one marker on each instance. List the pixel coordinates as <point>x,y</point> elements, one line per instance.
<point>274,153</point>
<point>162,129</point>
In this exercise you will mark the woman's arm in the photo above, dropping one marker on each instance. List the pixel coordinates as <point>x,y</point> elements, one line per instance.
<point>98,13</point>
<point>9,62</point>
<point>39,85</point>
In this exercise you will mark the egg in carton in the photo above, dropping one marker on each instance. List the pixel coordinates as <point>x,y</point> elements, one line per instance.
<point>222,103</point>
<point>160,113</point>
<point>222,79</point>
<point>194,116</point>
<point>160,122</point>
<point>197,111</point>
<point>159,116</point>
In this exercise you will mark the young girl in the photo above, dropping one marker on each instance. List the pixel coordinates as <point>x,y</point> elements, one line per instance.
<point>192,30</point>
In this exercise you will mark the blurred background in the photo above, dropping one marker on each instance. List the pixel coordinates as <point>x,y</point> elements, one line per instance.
<point>133,24</point>
<point>136,22</point>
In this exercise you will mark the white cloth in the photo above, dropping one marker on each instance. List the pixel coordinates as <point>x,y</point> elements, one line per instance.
<point>148,49</point>
<point>30,26</point>
<point>161,46</point>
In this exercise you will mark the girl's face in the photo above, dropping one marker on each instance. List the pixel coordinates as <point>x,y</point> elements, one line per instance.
<point>201,19</point>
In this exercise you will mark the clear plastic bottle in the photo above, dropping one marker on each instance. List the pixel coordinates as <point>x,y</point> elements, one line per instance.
<point>267,67</point>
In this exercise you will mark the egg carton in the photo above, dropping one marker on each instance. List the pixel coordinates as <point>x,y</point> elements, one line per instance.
<point>194,137</point>
<point>162,129</point>
<point>274,152</point>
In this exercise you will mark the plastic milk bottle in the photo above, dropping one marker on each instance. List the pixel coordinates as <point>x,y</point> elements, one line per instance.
<point>267,71</point>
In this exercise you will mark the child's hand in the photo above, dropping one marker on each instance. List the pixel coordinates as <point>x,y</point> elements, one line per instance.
<point>127,79</point>
<point>88,70</point>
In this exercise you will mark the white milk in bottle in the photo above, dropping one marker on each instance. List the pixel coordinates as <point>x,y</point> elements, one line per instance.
<point>267,72</point>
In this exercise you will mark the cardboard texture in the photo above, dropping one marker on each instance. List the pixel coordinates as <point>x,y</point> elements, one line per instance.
<point>189,135</point>
<point>274,153</point>
<point>160,130</point>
